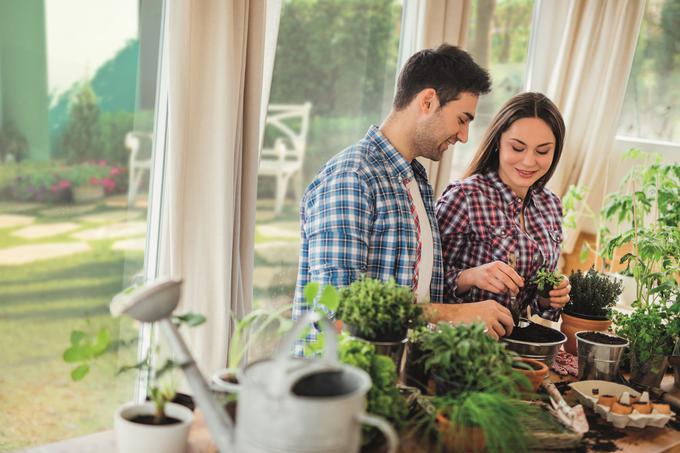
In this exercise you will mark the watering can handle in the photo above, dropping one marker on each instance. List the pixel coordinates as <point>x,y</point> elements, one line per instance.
<point>330,351</point>
<point>384,427</point>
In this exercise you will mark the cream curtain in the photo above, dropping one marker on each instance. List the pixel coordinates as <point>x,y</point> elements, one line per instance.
<point>582,54</point>
<point>427,24</point>
<point>216,62</point>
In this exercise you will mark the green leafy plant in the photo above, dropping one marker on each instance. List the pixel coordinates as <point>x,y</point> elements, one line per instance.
<point>383,398</point>
<point>378,310</point>
<point>546,280</point>
<point>466,359</point>
<point>501,419</point>
<point>252,328</point>
<point>645,210</point>
<point>85,348</point>
<point>651,331</point>
<point>593,293</point>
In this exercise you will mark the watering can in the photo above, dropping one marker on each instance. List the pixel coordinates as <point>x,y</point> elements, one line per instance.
<point>286,404</point>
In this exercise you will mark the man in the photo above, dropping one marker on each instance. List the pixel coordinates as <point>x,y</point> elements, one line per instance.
<point>370,209</point>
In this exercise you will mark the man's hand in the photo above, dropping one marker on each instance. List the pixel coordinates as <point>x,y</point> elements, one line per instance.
<point>496,277</point>
<point>559,295</point>
<point>496,317</point>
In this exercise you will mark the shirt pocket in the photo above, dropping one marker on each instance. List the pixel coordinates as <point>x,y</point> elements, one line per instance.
<point>495,240</point>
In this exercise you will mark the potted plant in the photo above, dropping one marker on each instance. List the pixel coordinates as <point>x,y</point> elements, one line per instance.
<point>380,312</point>
<point>479,421</point>
<point>545,281</point>
<point>383,399</point>
<point>534,370</point>
<point>464,358</point>
<point>646,216</point>
<point>592,297</point>
<point>87,181</point>
<point>158,425</point>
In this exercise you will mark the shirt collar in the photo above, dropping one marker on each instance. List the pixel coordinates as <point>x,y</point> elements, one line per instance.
<point>506,193</point>
<point>398,166</point>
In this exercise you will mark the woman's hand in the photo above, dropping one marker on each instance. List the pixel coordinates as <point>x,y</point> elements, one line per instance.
<point>496,277</point>
<point>559,295</point>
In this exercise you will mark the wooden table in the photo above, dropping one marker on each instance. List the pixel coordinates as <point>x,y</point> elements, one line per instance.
<point>632,440</point>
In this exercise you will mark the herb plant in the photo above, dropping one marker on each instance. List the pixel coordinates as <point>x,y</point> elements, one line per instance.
<point>379,310</point>
<point>593,294</point>
<point>467,359</point>
<point>546,280</point>
<point>85,348</point>
<point>651,331</point>
<point>646,213</point>
<point>500,418</point>
<point>383,398</point>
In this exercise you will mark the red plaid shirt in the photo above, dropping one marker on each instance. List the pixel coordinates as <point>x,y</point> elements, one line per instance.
<point>479,222</point>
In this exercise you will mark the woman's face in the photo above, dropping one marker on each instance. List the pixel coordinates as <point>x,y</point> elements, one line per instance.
<point>526,153</point>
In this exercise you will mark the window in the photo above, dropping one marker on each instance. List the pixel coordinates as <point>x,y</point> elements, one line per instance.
<point>651,108</point>
<point>77,96</point>
<point>498,40</point>
<point>339,59</point>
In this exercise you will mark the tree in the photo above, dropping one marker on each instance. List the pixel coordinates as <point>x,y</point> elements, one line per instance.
<point>82,139</point>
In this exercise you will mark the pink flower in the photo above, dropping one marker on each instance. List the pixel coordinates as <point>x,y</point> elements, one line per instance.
<point>64,184</point>
<point>94,181</point>
<point>115,171</point>
<point>102,163</point>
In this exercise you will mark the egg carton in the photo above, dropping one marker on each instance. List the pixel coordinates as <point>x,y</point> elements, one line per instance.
<point>584,392</point>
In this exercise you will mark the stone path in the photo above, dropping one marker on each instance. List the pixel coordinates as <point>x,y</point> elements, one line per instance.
<point>70,210</point>
<point>111,216</point>
<point>45,230</point>
<point>15,220</point>
<point>136,244</point>
<point>113,231</point>
<point>23,254</point>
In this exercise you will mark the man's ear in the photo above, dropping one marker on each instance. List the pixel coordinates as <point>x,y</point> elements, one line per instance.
<point>427,100</point>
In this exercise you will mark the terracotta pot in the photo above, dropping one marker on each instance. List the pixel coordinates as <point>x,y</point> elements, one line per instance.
<point>536,375</point>
<point>572,324</point>
<point>468,439</point>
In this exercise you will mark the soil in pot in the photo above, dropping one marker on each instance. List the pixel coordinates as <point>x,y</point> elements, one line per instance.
<point>602,338</point>
<point>183,400</point>
<point>575,322</point>
<point>535,333</point>
<point>151,420</point>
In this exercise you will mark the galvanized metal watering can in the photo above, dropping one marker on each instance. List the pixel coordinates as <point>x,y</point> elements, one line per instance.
<point>285,404</point>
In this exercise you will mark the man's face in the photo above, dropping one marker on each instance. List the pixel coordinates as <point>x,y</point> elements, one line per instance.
<point>444,126</point>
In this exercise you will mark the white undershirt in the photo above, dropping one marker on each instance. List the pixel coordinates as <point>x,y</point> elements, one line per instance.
<point>426,254</point>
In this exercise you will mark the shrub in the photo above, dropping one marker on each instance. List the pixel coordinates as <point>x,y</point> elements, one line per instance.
<point>379,310</point>
<point>593,293</point>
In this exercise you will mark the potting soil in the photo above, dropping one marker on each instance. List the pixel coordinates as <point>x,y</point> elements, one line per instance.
<point>535,333</point>
<point>601,338</point>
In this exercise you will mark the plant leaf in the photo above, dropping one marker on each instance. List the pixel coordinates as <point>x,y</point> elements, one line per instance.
<point>80,372</point>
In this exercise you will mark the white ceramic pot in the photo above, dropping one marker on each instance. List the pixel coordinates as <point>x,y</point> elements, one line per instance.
<point>139,438</point>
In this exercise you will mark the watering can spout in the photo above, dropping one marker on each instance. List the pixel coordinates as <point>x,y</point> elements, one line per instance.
<point>155,302</point>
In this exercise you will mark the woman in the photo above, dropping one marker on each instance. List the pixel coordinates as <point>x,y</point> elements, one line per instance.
<point>500,224</point>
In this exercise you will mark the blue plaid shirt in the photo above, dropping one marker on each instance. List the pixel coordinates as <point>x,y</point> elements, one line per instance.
<point>356,219</point>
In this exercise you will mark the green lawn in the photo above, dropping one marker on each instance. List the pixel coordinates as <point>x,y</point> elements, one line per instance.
<point>40,303</point>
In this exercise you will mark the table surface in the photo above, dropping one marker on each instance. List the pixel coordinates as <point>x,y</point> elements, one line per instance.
<point>633,440</point>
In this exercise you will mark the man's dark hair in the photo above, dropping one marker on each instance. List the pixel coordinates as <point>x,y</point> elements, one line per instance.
<point>447,69</point>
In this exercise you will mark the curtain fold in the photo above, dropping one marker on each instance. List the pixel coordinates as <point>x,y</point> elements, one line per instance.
<point>216,64</point>
<point>583,67</point>
<point>430,23</point>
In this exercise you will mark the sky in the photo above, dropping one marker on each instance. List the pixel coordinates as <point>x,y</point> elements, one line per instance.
<point>83,34</point>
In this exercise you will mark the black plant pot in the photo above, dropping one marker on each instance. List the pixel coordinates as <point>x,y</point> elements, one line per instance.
<point>414,369</point>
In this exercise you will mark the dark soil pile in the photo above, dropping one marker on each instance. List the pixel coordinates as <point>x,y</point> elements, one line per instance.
<point>536,333</point>
<point>602,338</point>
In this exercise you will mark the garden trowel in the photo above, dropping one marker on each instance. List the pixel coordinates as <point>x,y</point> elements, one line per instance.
<point>573,418</point>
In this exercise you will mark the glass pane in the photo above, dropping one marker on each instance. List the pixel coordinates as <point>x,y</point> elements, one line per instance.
<point>498,39</point>
<point>77,92</point>
<point>651,108</point>
<point>339,58</point>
